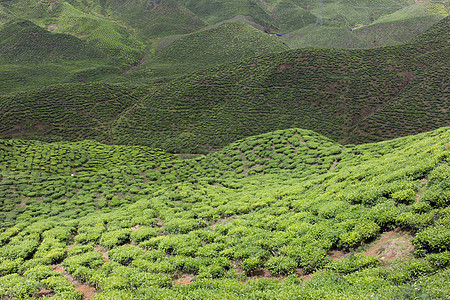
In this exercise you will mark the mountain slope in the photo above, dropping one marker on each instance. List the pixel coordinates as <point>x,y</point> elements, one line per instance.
<point>345,94</point>
<point>132,223</point>
<point>331,91</point>
<point>225,43</point>
<point>32,57</point>
<point>23,41</point>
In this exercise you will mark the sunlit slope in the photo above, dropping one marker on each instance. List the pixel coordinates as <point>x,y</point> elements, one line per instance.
<point>378,28</point>
<point>330,91</point>
<point>404,24</point>
<point>91,26</point>
<point>24,42</point>
<point>129,223</point>
<point>225,43</point>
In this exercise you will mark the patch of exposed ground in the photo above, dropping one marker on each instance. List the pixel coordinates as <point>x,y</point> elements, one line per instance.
<point>159,223</point>
<point>45,293</point>
<point>134,228</point>
<point>337,254</point>
<point>86,290</point>
<point>220,221</point>
<point>103,252</point>
<point>392,244</point>
<point>183,279</point>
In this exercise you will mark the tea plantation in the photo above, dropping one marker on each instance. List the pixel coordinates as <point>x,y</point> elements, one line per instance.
<point>261,219</point>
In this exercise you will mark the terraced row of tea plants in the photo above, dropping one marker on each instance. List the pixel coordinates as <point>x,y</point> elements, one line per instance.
<point>69,111</point>
<point>248,222</point>
<point>225,43</point>
<point>31,57</point>
<point>330,91</point>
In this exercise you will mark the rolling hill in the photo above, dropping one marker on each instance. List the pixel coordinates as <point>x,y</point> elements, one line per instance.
<point>231,41</point>
<point>349,95</point>
<point>330,91</point>
<point>284,215</point>
<point>32,57</point>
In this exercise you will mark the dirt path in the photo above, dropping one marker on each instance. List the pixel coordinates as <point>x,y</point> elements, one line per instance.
<point>87,291</point>
<point>393,244</point>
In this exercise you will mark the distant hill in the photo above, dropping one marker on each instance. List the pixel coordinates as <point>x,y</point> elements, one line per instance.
<point>32,57</point>
<point>374,26</point>
<point>330,91</point>
<point>348,95</point>
<point>23,41</point>
<point>225,43</point>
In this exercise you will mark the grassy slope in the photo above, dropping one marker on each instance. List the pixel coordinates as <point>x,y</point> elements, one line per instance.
<point>32,57</point>
<point>69,111</point>
<point>225,43</point>
<point>391,24</point>
<point>92,27</point>
<point>331,91</point>
<point>404,24</point>
<point>133,224</point>
<point>313,36</point>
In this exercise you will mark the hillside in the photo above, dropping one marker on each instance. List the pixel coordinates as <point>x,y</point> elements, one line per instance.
<point>23,41</point>
<point>70,112</point>
<point>330,91</point>
<point>284,215</point>
<point>349,95</point>
<point>31,57</point>
<point>228,42</point>
<point>375,27</point>
<point>94,28</point>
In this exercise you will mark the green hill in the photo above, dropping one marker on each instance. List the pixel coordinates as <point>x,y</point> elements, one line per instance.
<point>404,24</point>
<point>349,95</point>
<point>32,57</point>
<point>368,25</point>
<point>69,112</point>
<point>225,43</point>
<point>283,215</point>
<point>330,91</point>
<point>313,36</point>
<point>92,27</point>
<point>24,42</point>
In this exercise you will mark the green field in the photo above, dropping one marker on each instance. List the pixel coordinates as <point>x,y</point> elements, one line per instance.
<point>180,149</point>
<point>285,215</point>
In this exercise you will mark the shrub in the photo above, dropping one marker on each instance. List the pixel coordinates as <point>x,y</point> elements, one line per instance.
<point>352,263</point>
<point>115,238</point>
<point>362,231</point>
<point>281,265</point>
<point>125,255</point>
<point>251,265</point>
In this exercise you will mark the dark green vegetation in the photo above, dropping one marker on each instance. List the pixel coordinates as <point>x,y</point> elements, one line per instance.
<point>132,223</point>
<point>225,43</point>
<point>31,57</point>
<point>349,95</point>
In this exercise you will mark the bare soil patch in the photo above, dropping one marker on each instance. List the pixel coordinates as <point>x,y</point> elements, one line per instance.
<point>87,291</point>
<point>103,252</point>
<point>393,244</point>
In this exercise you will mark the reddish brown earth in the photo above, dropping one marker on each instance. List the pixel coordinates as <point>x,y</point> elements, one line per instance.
<point>183,279</point>
<point>103,252</point>
<point>336,254</point>
<point>220,221</point>
<point>393,244</point>
<point>86,290</point>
